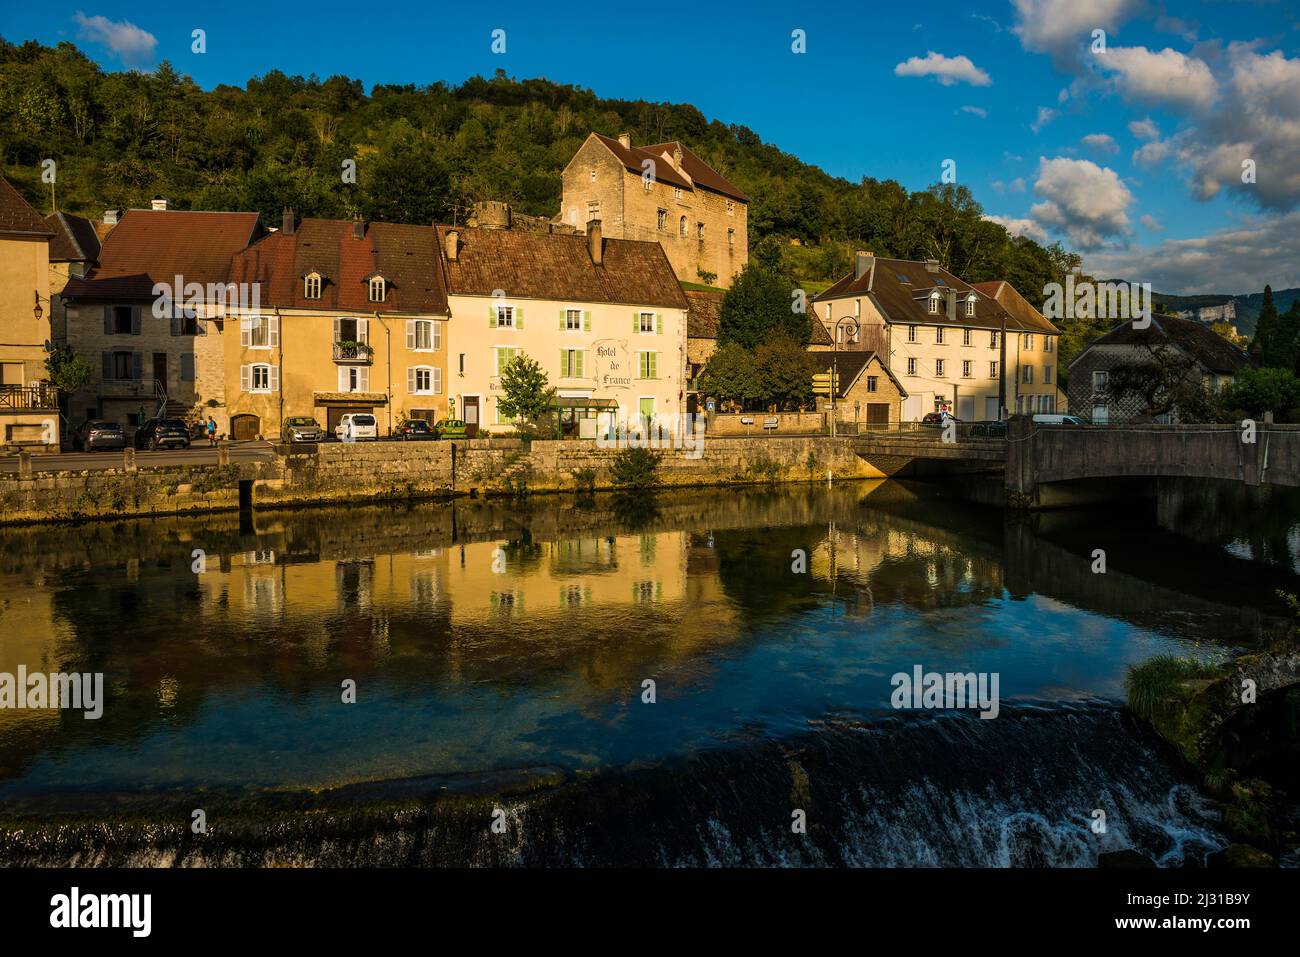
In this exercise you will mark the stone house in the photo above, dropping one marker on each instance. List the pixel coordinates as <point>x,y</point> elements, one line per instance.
<point>1212,362</point>
<point>703,320</point>
<point>155,353</point>
<point>351,318</point>
<point>868,394</point>
<point>942,338</point>
<point>73,252</point>
<point>662,193</point>
<point>29,406</point>
<point>605,319</point>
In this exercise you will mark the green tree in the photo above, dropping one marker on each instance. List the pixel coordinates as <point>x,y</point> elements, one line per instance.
<point>759,302</point>
<point>69,372</point>
<point>526,394</point>
<point>731,374</point>
<point>784,371</point>
<point>1267,344</point>
<point>1256,391</point>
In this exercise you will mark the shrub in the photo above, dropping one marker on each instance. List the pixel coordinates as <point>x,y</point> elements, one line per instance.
<point>636,469</point>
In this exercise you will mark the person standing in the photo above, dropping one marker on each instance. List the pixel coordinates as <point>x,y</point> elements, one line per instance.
<point>212,432</point>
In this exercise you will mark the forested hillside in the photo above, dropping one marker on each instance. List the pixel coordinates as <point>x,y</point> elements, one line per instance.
<point>427,153</point>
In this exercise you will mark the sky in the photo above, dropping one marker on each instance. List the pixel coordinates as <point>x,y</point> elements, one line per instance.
<point>1160,138</point>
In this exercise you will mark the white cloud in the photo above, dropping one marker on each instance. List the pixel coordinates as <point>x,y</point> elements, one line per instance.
<point>983,114</point>
<point>1144,129</point>
<point>1045,116</point>
<point>1101,142</point>
<point>1151,223</point>
<point>128,42</point>
<point>1153,153</point>
<point>1063,28</point>
<point>1020,227</point>
<point>1085,202</point>
<point>947,70</point>
<point>1167,77</point>
<point>1239,259</point>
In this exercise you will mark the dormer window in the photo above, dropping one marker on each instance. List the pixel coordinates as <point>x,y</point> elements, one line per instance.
<point>934,304</point>
<point>378,289</point>
<point>311,285</point>
<point>970,306</point>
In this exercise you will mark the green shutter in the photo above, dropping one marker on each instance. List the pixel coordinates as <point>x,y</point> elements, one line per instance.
<point>578,371</point>
<point>563,321</point>
<point>564,363</point>
<point>654,365</point>
<point>519,317</point>
<point>659,324</point>
<point>586,321</point>
<point>492,317</point>
<point>636,322</point>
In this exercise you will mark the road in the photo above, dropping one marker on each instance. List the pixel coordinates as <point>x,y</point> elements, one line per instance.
<point>196,455</point>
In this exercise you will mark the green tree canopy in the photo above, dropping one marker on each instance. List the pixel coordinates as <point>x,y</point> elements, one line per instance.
<point>526,394</point>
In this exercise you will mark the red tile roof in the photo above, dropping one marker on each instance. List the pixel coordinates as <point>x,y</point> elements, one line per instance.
<point>705,316</point>
<point>150,246</point>
<point>701,172</point>
<point>75,238</point>
<point>17,215</point>
<point>1010,299</point>
<point>559,267</point>
<point>405,255</point>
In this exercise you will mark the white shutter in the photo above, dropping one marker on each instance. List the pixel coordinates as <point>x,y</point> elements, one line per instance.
<point>245,378</point>
<point>437,335</point>
<point>437,380</point>
<point>245,333</point>
<point>410,333</point>
<point>410,379</point>
<point>336,331</point>
<point>343,382</point>
<point>363,331</point>
<point>363,379</point>
<point>273,340</point>
<point>274,377</point>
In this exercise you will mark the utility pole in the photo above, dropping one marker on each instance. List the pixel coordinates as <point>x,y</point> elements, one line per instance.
<point>1002,371</point>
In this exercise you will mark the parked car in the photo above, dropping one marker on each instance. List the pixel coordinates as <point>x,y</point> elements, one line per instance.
<point>1049,419</point>
<point>96,434</point>
<point>363,426</point>
<point>302,428</point>
<point>163,434</point>
<point>936,419</point>
<point>450,429</point>
<point>413,430</point>
<point>989,430</point>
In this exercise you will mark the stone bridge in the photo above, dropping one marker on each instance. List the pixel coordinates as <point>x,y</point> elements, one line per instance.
<point>923,451</point>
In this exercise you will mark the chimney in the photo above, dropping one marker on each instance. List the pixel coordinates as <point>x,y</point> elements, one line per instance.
<point>932,265</point>
<point>160,203</point>
<point>358,226</point>
<point>111,216</point>
<point>951,298</point>
<point>625,140</point>
<point>453,244</point>
<point>677,156</point>
<point>862,263</point>
<point>595,244</point>
<point>286,221</point>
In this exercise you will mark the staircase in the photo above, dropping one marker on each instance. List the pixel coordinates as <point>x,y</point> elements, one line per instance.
<point>169,408</point>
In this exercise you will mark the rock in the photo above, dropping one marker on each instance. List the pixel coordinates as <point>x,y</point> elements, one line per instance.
<point>1241,855</point>
<point>1127,858</point>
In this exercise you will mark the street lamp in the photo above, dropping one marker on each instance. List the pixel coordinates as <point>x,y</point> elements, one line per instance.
<point>835,351</point>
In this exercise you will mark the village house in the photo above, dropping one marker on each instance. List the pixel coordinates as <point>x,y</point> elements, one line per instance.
<point>867,394</point>
<point>1037,385</point>
<point>703,321</point>
<point>352,319</point>
<point>662,193</point>
<point>942,337</point>
<point>164,361</point>
<point>1172,351</point>
<point>605,319</point>
<point>29,414</point>
<point>73,252</point>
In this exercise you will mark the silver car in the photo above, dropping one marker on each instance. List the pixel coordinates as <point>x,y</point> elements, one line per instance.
<point>302,428</point>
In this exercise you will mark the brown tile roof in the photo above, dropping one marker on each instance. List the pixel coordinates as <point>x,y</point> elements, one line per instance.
<point>849,366</point>
<point>1196,339</point>
<point>542,266</point>
<point>820,335</point>
<point>149,246</point>
<point>899,287</point>
<point>17,215</point>
<point>406,256</point>
<point>701,172</point>
<point>75,239</point>
<point>705,315</point>
<point>633,157</point>
<point>1016,305</point>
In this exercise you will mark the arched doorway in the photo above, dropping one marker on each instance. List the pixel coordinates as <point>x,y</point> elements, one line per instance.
<point>244,427</point>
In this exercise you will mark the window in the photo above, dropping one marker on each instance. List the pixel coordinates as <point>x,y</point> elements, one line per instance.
<point>938,368</point>
<point>681,228</point>
<point>1047,375</point>
<point>311,285</point>
<point>571,363</point>
<point>504,317</point>
<point>593,174</point>
<point>966,369</point>
<point>699,231</point>
<point>993,340</point>
<point>123,320</point>
<point>260,377</point>
<point>965,337</point>
<point>911,367</point>
<point>378,289</point>
<point>573,320</point>
<point>259,332</point>
<point>123,365</point>
<point>423,335</point>
<point>593,210</point>
<point>934,304</point>
<point>646,322</point>
<point>731,237</point>
<point>911,333</point>
<point>1049,344</point>
<point>423,380</point>
<point>504,355</point>
<point>872,383</point>
<point>1027,374</point>
<point>1029,341</point>
<point>1100,381</point>
<point>677,193</point>
<point>354,379</point>
<point>649,365</point>
<point>1100,414</point>
<point>662,219</point>
<point>970,306</point>
<point>731,208</point>
<point>993,370</point>
<point>646,183</point>
<point>938,335</point>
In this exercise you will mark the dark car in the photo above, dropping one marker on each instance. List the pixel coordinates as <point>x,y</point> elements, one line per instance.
<point>163,434</point>
<point>96,434</point>
<point>936,418</point>
<point>414,430</point>
<point>990,430</point>
<point>302,428</point>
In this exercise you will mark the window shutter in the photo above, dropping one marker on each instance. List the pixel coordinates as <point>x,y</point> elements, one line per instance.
<point>410,379</point>
<point>564,363</point>
<point>343,382</point>
<point>564,319</point>
<point>137,364</point>
<point>187,367</point>
<point>654,365</point>
<point>437,335</point>
<point>273,338</point>
<point>586,320</point>
<point>108,320</point>
<point>135,322</point>
<point>176,322</point>
<point>519,317</point>
<point>659,324</point>
<point>245,378</point>
<point>578,360</point>
<point>107,360</point>
<point>437,380</point>
<point>274,377</point>
<point>245,332</point>
<point>363,378</point>
<point>363,331</point>
<point>636,322</point>
<point>337,327</point>
<point>410,333</point>
<point>492,317</point>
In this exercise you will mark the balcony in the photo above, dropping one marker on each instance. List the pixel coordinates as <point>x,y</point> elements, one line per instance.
<point>25,397</point>
<point>352,353</point>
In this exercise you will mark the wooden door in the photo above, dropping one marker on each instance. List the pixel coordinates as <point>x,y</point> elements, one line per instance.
<point>160,369</point>
<point>245,427</point>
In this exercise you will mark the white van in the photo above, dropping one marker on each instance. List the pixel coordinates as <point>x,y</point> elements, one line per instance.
<point>1048,419</point>
<point>363,427</point>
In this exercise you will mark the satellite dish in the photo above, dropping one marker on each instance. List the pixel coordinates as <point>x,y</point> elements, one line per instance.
<point>49,346</point>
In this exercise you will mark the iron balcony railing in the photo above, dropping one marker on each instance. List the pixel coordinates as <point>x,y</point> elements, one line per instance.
<point>38,396</point>
<point>351,352</point>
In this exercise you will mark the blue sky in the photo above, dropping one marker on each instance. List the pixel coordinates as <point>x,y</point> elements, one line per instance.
<point>1132,155</point>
